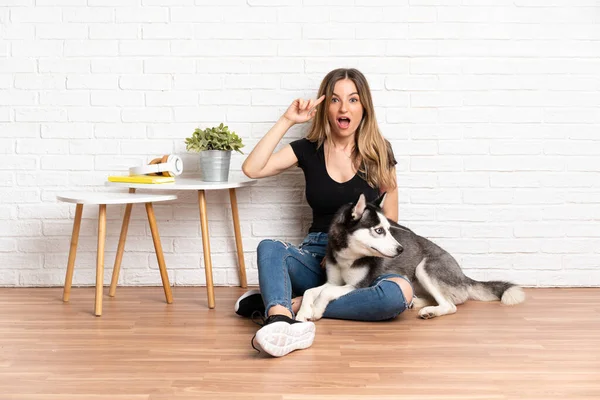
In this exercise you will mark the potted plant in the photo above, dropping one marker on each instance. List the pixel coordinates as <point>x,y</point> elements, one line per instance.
<point>214,146</point>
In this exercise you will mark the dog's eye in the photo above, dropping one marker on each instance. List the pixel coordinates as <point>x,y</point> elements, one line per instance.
<point>379,231</point>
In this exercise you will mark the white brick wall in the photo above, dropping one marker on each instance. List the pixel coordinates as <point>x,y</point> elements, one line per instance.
<point>492,108</point>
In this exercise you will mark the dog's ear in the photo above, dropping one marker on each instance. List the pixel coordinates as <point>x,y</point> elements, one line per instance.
<point>359,208</point>
<point>380,200</point>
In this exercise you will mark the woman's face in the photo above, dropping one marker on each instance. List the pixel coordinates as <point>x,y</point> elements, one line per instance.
<point>345,110</point>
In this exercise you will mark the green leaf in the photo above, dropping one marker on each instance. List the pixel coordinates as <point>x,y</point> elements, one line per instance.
<point>214,138</point>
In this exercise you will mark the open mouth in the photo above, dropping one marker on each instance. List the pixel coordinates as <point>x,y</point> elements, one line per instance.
<point>343,122</point>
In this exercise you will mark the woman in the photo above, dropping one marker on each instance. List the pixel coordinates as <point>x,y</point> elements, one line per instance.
<point>343,155</point>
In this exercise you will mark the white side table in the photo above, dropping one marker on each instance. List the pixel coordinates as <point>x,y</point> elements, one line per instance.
<point>191,182</point>
<point>102,199</point>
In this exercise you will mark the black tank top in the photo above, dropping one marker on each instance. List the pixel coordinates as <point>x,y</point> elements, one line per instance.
<point>324,195</point>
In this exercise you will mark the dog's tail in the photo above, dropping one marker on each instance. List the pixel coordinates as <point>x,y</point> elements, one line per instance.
<point>508,293</point>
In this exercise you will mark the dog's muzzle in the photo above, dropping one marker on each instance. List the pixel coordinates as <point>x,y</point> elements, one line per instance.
<point>397,251</point>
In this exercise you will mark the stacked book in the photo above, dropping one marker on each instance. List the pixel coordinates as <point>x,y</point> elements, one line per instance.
<point>150,179</point>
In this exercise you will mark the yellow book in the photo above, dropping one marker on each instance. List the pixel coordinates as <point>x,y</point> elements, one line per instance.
<point>141,179</point>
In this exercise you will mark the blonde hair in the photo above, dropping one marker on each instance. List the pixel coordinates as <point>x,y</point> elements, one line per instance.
<point>372,155</point>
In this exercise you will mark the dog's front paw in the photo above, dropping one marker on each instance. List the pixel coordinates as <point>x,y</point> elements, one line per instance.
<point>428,312</point>
<point>302,317</point>
<point>317,314</point>
<point>305,313</point>
<point>319,306</point>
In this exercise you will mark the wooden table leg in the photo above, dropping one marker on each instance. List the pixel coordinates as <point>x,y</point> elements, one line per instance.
<point>238,238</point>
<point>100,259</point>
<point>159,253</point>
<point>120,248</point>
<point>210,290</point>
<point>72,252</point>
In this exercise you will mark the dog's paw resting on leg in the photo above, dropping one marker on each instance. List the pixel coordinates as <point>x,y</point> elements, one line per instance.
<point>312,311</point>
<point>315,310</point>
<point>306,309</point>
<point>318,308</point>
<point>305,313</point>
<point>319,300</point>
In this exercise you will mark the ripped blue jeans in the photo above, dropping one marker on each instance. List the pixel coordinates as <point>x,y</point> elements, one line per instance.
<point>285,271</point>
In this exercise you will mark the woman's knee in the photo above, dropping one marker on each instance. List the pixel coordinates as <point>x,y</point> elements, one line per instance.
<point>270,250</point>
<point>398,296</point>
<point>268,246</point>
<point>406,288</point>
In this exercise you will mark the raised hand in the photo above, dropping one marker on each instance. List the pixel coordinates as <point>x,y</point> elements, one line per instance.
<point>302,110</point>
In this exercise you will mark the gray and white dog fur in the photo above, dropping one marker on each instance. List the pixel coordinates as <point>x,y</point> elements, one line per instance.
<point>363,244</point>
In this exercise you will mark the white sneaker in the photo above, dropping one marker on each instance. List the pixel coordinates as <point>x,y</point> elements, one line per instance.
<point>281,335</point>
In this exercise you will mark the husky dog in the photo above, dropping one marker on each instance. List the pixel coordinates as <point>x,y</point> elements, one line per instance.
<point>364,244</point>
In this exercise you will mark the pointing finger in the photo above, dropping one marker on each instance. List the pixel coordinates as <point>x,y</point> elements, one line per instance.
<point>319,100</point>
